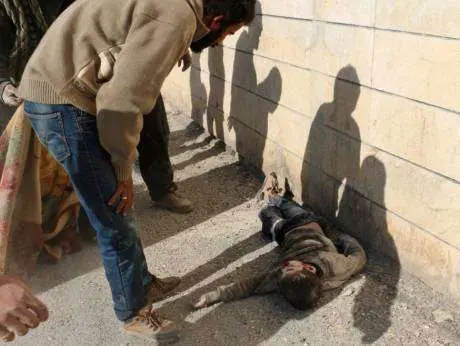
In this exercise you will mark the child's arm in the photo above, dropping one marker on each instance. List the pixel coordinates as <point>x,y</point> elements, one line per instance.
<point>352,249</point>
<point>234,291</point>
<point>350,260</point>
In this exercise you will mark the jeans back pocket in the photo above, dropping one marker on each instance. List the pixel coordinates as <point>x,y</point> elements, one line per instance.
<point>50,131</point>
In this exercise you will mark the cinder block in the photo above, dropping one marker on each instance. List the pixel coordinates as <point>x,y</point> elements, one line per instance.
<point>427,136</point>
<point>272,37</point>
<point>289,129</point>
<point>418,67</point>
<point>289,8</point>
<point>430,259</point>
<point>423,16</point>
<point>336,46</point>
<point>425,199</point>
<point>320,46</point>
<point>357,12</point>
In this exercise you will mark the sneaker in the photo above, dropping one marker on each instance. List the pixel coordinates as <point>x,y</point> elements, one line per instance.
<point>270,188</point>
<point>175,203</point>
<point>148,324</point>
<point>159,288</point>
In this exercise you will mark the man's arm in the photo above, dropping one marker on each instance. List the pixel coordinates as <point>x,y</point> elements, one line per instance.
<point>350,260</point>
<point>234,291</point>
<point>151,50</point>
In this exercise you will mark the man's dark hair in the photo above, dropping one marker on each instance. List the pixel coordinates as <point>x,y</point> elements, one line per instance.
<point>302,290</point>
<point>233,11</point>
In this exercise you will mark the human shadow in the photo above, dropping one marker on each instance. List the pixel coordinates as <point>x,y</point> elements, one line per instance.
<point>230,255</point>
<point>212,113</point>
<point>217,148</point>
<point>198,93</point>
<point>332,165</point>
<point>332,154</point>
<point>191,138</point>
<point>364,215</point>
<point>214,109</point>
<point>252,102</point>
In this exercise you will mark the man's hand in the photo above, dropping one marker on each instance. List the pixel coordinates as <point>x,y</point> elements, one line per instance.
<point>123,198</point>
<point>20,310</point>
<point>10,96</point>
<point>185,61</point>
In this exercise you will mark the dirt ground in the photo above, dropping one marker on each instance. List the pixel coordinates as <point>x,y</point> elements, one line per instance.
<point>217,243</point>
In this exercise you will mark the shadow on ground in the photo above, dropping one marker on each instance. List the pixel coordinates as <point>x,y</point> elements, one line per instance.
<point>332,165</point>
<point>250,321</point>
<point>214,189</point>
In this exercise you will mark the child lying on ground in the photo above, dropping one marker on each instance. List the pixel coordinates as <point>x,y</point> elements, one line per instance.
<point>309,261</point>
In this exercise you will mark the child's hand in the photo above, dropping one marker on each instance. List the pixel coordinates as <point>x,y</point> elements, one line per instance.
<point>201,303</point>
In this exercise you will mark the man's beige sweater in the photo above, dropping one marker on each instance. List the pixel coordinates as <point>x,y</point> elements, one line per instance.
<point>110,59</point>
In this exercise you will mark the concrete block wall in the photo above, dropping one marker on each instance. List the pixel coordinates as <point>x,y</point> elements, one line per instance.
<point>357,103</point>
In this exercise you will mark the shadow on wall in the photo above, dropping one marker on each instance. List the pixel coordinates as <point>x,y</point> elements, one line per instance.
<point>367,221</point>
<point>332,155</point>
<point>332,165</point>
<point>198,93</point>
<point>214,109</point>
<point>248,111</point>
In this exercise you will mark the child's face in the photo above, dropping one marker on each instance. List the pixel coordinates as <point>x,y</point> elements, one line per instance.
<point>294,267</point>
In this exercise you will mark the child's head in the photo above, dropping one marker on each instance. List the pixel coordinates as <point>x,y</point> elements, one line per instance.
<point>300,284</point>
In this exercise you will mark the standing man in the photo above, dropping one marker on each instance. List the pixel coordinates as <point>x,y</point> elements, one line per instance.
<point>22,24</point>
<point>97,70</point>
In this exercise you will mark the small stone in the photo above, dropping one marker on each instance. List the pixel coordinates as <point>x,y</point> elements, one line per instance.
<point>442,316</point>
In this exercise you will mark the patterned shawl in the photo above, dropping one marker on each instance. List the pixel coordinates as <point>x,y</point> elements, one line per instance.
<point>38,207</point>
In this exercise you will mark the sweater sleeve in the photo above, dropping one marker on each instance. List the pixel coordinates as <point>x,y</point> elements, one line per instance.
<point>151,50</point>
<point>7,36</point>
<point>350,260</point>
<point>237,290</point>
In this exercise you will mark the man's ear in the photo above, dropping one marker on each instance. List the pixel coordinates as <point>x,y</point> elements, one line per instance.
<point>216,23</point>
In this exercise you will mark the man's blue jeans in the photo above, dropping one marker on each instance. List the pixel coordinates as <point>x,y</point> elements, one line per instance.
<point>71,136</point>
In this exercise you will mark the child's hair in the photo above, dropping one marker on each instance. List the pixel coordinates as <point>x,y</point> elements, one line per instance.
<point>302,289</point>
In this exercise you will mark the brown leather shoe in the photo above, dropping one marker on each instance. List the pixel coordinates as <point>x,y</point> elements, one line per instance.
<point>159,288</point>
<point>148,324</point>
<point>175,203</point>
